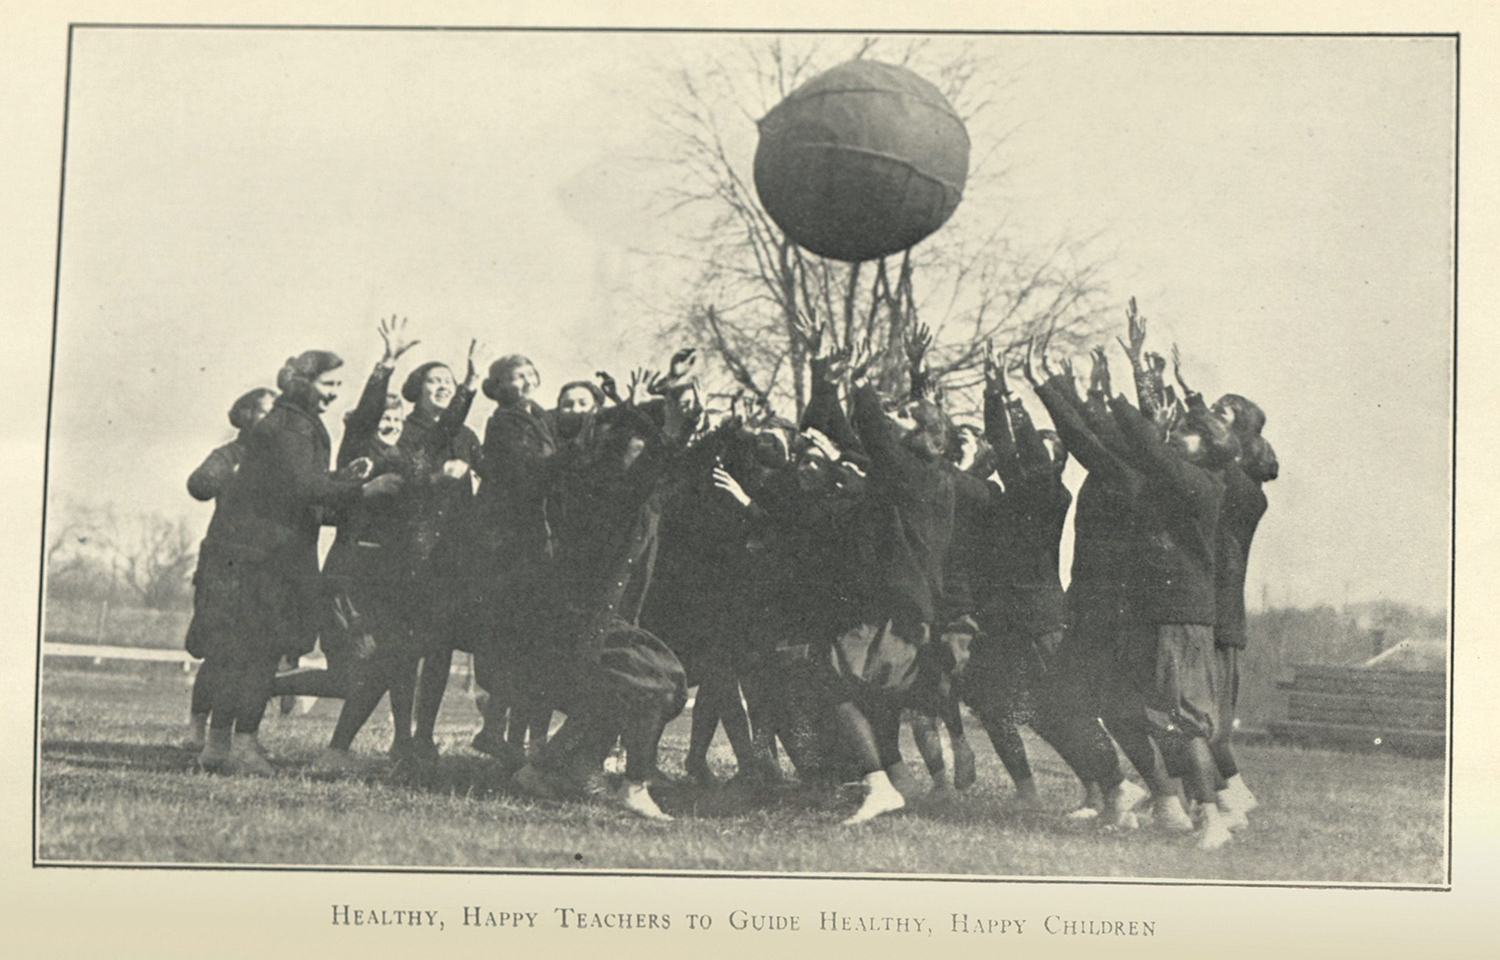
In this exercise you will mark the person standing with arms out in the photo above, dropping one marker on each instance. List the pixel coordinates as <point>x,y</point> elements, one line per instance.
<point>442,448</point>
<point>1244,505</point>
<point>1172,669</point>
<point>210,480</point>
<point>514,546</point>
<point>262,555</point>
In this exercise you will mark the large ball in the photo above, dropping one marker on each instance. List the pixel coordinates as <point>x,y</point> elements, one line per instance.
<point>862,161</point>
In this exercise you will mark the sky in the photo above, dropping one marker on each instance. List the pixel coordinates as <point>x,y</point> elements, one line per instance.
<point>1281,207</point>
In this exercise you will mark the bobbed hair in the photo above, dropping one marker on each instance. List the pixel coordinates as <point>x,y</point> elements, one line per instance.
<point>589,385</point>
<point>297,374</point>
<point>1249,418</point>
<point>1258,460</point>
<point>411,389</point>
<point>243,409</point>
<point>501,369</point>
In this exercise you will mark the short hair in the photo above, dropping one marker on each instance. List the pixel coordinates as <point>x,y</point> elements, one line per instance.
<point>1221,445</point>
<point>500,368</point>
<point>934,432</point>
<point>244,408</point>
<point>1249,418</point>
<point>1258,460</point>
<point>411,390</point>
<point>307,367</point>
<point>589,385</point>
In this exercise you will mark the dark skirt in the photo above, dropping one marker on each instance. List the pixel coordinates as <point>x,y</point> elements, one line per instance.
<point>248,605</point>
<point>1008,670</point>
<point>1171,673</point>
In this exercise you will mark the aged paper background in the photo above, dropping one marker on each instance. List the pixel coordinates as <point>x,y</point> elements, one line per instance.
<point>120,912</point>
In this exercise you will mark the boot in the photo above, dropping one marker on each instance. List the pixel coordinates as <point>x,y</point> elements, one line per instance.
<point>248,758</point>
<point>880,797</point>
<point>215,755</point>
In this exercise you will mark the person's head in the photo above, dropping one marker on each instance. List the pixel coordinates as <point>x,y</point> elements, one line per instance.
<point>392,421</point>
<point>511,380</point>
<point>774,444</point>
<point>1205,440</point>
<point>1245,417</point>
<point>251,408</point>
<point>923,427</point>
<point>309,380</point>
<point>814,471</point>
<point>971,452</point>
<point>430,387</point>
<point>1258,459</point>
<point>580,396</point>
<point>1057,451</point>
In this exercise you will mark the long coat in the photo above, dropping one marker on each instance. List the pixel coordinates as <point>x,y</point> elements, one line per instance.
<point>607,518</point>
<point>260,556</point>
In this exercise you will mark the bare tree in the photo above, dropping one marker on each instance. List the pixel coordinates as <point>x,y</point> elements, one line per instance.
<point>156,560</point>
<point>754,287</point>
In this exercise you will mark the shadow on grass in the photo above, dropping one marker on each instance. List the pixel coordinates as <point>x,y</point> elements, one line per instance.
<point>109,755</point>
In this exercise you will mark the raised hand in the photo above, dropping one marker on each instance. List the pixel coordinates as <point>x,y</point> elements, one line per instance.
<point>810,332</point>
<point>683,362</point>
<point>393,332</point>
<point>1046,346</point>
<point>607,386</point>
<point>641,377</point>
<point>825,446</point>
<point>994,370</point>
<point>1177,370</point>
<point>1099,376</point>
<point>1136,326</point>
<point>1065,366</point>
<point>471,372</point>
<point>918,342</point>
<point>730,485</point>
<point>1029,367</point>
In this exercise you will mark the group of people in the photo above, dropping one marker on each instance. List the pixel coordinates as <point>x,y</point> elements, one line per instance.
<point>817,581</point>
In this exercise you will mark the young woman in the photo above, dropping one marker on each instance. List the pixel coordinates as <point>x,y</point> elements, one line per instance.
<point>261,555</point>
<point>1172,669</point>
<point>614,680</point>
<point>371,572</point>
<point>207,482</point>
<point>519,439</point>
<point>1244,505</point>
<point>887,658</point>
<point>443,448</point>
<point>1081,681</point>
<point>1026,610</point>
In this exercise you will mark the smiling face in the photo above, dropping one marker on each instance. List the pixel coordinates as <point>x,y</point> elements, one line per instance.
<point>392,422</point>
<point>437,389</point>
<point>325,390</point>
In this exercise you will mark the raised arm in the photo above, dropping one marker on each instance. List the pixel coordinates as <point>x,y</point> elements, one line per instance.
<point>997,419</point>
<point>1157,460</point>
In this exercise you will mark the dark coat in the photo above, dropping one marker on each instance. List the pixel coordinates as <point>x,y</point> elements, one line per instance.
<point>262,545</point>
<point>1180,523</point>
<point>518,441</point>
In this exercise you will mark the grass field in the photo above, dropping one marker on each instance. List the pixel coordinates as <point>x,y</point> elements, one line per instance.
<point>113,788</point>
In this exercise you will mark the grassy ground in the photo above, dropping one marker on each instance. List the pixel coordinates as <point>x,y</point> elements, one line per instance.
<point>113,788</point>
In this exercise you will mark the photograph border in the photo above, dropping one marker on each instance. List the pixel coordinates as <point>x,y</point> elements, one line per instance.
<point>1446,886</point>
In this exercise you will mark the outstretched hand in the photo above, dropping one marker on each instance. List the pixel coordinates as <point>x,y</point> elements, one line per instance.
<point>918,342</point>
<point>994,370</point>
<point>1029,367</point>
<point>1099,375</point>
<point>1177,370</point>
<point>724,481</point>
<point>607,386</point>
<point>810,332</point>
<point>641,378</point>
<point>393,332</point>
<point>1136,327</point>
<point>471,372</point>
